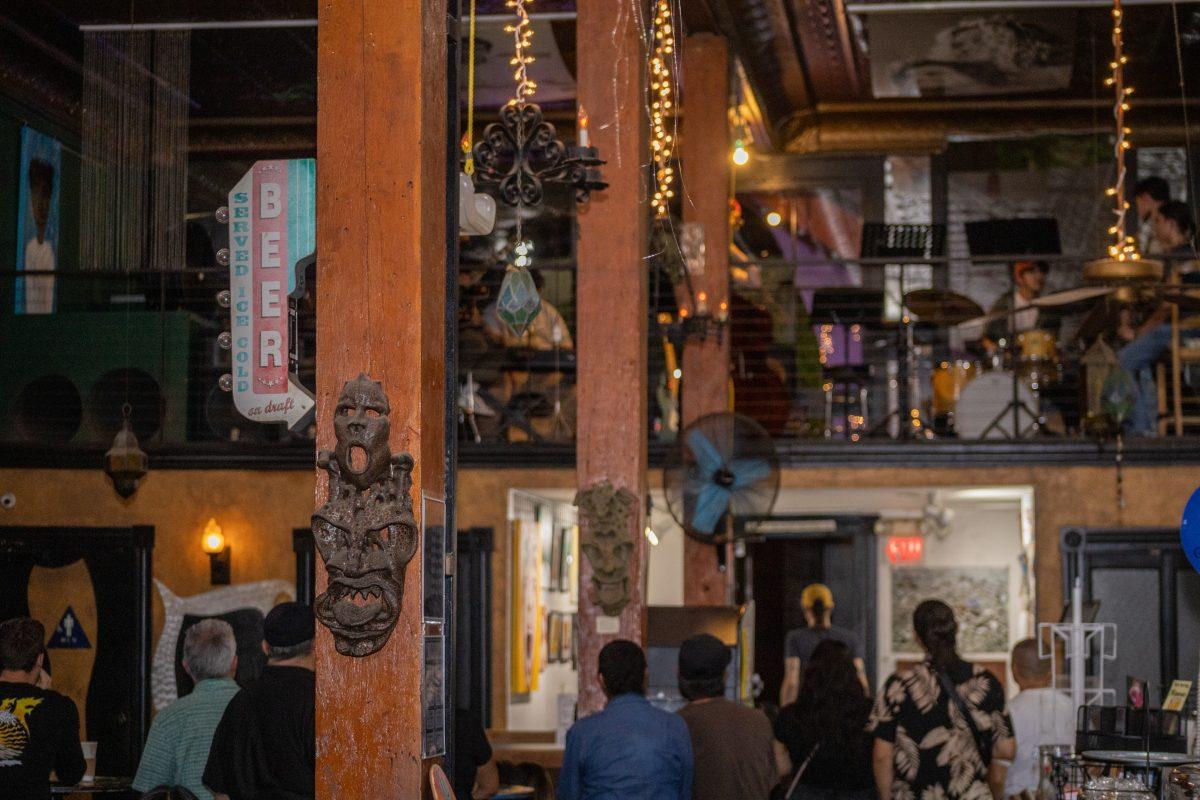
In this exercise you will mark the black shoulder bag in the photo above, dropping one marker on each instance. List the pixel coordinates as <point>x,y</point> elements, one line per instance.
<point>981,744</point>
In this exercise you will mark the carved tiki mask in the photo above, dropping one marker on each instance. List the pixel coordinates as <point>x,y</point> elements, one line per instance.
<point>607,541</point>
<point>365,532</point>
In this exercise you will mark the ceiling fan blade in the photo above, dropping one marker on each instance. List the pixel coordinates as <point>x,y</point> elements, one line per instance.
<point>710,507</point>
<point>708,458</point>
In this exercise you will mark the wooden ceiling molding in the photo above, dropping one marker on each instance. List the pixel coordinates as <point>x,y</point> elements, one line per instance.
<point>924,126</point>
<point>834,65</point>
<point>760,33</point>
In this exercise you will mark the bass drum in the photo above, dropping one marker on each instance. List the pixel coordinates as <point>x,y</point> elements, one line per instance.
<point>986,400</point>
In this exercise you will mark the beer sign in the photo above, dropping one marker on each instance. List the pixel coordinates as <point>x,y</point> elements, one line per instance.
<point>272,237</point>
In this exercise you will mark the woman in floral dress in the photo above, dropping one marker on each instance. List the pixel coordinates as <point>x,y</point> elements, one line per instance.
<point>925,747</point>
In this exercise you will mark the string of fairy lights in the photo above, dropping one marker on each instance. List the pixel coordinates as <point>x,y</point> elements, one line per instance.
<point>522,31</point>
<point>1124,246</point>
<point>661,104</point>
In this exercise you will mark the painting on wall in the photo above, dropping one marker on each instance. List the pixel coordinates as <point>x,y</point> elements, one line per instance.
<point>37,220</point>
<point>527,616</point>
<point>978,595</point>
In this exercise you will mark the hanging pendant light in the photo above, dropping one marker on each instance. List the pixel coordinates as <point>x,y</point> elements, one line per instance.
<point>1123,265</point>
<point>125,462</point>
<point>519,302</point>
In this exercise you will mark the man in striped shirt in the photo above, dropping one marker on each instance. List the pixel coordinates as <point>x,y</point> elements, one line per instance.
<point>177,749</point>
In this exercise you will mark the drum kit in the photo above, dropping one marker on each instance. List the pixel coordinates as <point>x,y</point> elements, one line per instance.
<point>976,397</point>
<point>1001,395</point>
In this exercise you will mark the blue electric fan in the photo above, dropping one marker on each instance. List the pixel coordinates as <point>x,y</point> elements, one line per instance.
<point>722,464</point>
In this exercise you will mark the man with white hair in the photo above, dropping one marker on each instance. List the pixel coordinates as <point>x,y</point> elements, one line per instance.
<point>177,749</point>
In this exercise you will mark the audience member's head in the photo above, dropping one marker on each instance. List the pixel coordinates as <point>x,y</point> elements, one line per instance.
<point>1150,193</point>
<point>622,668</point>
<point>1173,224</point>
<point>1030,670</point>
<point>288,632</point>
<point>210,650</point>
<point>22,642</point>
<point>817,603</point>
<point>703,660</point>
<point>937,630</point>
<point>1030,276</point>
<point>832,702</point>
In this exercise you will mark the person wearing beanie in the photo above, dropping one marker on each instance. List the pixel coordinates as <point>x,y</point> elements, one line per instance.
<point>817,603</point>
<point>265,745</point>
<point>732,744</point>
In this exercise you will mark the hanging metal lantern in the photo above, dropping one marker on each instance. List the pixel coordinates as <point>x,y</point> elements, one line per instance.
<point>125,462</point>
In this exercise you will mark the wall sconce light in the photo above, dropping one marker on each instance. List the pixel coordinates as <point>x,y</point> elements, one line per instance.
<point>213,543</point>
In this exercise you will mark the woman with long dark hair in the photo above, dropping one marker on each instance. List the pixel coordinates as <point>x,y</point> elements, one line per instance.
<point>941,725</point>
<point>825,730</point>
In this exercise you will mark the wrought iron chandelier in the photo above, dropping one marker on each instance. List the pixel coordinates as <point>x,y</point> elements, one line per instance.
<point>522,150</point>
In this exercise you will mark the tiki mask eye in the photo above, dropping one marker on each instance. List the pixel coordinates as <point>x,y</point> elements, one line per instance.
<point>380,538</point>
<point>332,535</point>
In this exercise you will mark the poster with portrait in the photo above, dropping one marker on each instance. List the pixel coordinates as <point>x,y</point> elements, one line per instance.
<point>37,220</point>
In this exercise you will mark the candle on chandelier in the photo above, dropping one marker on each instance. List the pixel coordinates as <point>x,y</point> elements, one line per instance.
<point>583,127</point>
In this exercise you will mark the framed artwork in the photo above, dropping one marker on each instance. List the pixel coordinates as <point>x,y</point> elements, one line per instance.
<point>554,645</point>
<point>978,595</point>
<point>556,557</point>
<point>566,653</point>
<point>571,561</point>
<point>37,220</point>
<point>527,618</point>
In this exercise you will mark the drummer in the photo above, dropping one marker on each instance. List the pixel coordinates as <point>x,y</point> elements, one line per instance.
<point>1029,282</point>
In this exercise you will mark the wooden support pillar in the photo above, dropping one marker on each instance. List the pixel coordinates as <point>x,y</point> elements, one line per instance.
<point>612,302</point>
<point>381,245</point>
<point>705,153</point>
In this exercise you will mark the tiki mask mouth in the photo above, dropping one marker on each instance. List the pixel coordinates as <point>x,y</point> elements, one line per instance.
<point>359,608</point>
<point>358,459</point>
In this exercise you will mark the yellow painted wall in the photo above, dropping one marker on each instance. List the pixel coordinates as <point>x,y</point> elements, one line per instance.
<point>258,511</point>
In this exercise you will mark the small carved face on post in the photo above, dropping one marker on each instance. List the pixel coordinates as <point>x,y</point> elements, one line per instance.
<point>365,532</point>
<point>607,541</point>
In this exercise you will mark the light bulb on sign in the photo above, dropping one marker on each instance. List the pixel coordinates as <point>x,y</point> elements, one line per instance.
<point>774,219</point>
<point>741,156</point>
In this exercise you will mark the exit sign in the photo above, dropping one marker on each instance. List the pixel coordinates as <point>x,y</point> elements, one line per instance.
<point>905,549</point>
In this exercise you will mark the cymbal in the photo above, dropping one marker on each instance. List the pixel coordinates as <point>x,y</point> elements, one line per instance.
<point>941,306</point>
<point>1070,297</point>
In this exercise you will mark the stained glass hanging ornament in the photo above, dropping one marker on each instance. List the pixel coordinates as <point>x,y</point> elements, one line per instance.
<point>519,302</point>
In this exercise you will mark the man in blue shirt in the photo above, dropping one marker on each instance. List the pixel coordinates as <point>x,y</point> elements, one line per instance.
<point>630,750</point>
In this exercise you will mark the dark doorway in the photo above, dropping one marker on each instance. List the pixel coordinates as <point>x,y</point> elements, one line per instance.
<point>785,554</point>
<point>116,684</point>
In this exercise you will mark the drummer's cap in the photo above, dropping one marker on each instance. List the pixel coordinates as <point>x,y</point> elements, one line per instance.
<point>814,594</point>
<point>1021,267</point>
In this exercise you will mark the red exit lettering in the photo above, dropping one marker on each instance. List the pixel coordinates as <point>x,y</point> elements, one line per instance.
<point>905,549</point>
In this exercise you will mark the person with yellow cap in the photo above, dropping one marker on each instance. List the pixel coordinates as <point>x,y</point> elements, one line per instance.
<point>817,603</point>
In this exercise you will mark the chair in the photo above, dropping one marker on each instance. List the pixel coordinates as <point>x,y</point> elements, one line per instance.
<point>1171,410</point>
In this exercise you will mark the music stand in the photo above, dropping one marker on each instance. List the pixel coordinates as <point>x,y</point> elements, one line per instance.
<point>1009,237</point>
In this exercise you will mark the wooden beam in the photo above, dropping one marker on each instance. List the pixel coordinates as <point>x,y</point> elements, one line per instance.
<point>381,215</point>
<point>613,300</point>
<point>706,186</point>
